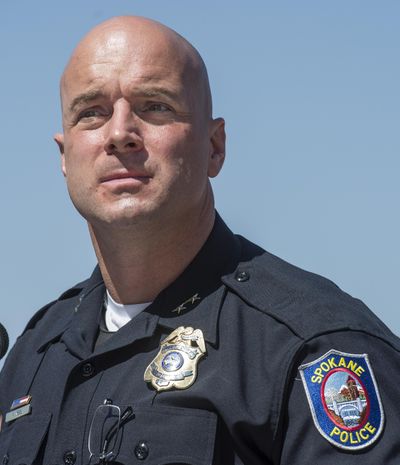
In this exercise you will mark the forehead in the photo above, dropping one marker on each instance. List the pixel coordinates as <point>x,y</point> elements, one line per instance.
<point>131,59</point>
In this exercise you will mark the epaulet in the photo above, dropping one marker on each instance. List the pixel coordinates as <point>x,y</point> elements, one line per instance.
<point>37,317</point>
<point>307,303</point>
<point>68,294</point>
<point>73,291</point>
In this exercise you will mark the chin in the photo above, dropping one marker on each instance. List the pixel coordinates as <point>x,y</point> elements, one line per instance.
<point>125,213</point>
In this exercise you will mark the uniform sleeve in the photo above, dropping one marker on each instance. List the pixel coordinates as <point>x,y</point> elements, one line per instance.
<point>345,408</point>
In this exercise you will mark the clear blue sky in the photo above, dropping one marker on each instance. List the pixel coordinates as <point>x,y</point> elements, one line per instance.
<point>310,93</point>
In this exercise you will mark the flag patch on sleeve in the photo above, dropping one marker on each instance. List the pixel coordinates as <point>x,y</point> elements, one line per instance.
<point>344,399</point>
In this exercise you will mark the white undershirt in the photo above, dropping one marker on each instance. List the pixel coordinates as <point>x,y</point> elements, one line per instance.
<point>118,315</point>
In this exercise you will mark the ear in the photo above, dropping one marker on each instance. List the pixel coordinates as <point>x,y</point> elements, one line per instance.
<point>217,147</point>
<point>59,140</point>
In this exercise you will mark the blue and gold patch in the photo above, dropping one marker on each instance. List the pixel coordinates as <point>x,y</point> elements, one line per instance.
<point>344,399</point>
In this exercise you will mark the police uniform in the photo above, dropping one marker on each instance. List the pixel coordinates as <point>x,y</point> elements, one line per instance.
<point>247,403</point>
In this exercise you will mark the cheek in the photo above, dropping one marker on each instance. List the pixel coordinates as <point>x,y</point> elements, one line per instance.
<point>80,150</point>
<point>79,173</point>
<point>169,139</point>
<point>183,151</point>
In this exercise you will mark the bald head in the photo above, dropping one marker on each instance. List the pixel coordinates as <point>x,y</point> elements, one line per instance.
<point>133,38</point>
<point>139,142</point>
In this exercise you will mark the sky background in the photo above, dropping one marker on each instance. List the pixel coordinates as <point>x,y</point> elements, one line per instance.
<point>310,94</point>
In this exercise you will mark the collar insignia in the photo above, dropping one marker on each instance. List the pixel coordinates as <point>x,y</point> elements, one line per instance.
<point>175,365</point>
<point>182,306</point>
<point>344,399</point>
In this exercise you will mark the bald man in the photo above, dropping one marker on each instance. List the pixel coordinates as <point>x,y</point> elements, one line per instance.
<point>187,344</point>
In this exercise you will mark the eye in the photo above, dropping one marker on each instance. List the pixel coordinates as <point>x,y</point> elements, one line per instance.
<point>91,118</point>
<point>157,107</point>
<point>90,113</point>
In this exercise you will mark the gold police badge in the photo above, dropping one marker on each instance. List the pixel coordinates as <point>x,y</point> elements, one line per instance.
<point>175,365</point>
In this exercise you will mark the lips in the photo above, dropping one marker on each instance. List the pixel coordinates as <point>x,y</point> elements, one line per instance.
<point>120,176</point>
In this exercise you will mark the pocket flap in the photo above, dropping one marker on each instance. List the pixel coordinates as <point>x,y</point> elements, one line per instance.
<point>21,441</point>
<point>169,435</point>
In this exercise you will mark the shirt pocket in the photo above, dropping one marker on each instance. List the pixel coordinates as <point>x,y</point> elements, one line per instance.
<point>20,441</point>
<point>168,435</point>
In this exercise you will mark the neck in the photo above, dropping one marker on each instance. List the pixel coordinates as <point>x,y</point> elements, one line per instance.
<point>137,263</point>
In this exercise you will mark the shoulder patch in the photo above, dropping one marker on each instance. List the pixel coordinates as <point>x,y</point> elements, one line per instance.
<point>344,399</point>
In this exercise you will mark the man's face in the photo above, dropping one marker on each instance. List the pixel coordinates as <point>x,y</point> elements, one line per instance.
<point>138,142</point>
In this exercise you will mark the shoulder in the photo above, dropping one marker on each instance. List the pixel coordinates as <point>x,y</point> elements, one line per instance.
<point>308,304</point>
<point>70,296</point>
<point>70,299</point>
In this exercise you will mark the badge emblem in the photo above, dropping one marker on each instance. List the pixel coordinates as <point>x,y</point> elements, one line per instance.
<point>344,399</point>
<point>175,365</point>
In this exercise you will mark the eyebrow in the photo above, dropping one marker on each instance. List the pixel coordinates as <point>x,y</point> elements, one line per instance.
<point>155,91</point>
<point>85,97</point>
<point>94,94</point>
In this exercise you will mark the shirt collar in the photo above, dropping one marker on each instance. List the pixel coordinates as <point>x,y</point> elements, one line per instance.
<point>195,297</point>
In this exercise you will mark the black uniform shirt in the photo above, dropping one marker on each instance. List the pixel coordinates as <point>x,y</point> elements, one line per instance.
<point>261,319</point>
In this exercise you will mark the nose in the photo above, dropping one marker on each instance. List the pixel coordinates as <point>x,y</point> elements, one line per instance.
<point>123,134</point>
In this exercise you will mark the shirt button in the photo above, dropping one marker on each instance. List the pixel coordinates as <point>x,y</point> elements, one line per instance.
<point>242,276</point>
<point>87,369</point>
<point>69,457</point>
<point>142,450</point>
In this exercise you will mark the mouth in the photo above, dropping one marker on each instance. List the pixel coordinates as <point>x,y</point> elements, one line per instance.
<point>126,176</point>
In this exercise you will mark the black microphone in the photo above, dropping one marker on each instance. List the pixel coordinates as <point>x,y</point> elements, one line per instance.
<point>3,341</point>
